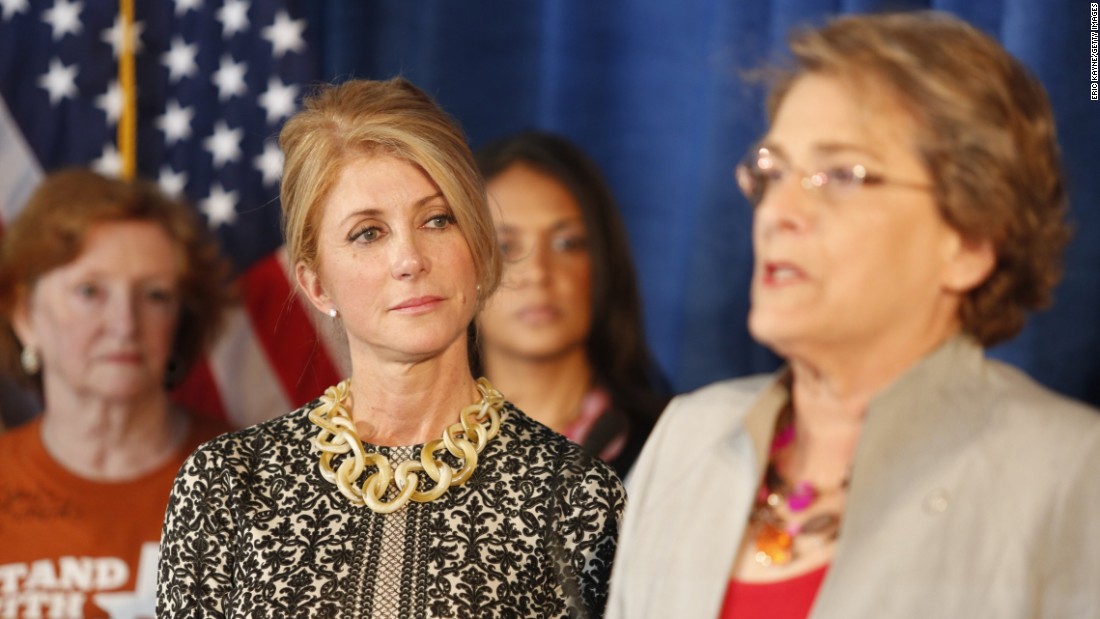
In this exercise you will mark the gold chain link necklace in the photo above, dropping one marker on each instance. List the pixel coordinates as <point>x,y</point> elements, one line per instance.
<point>480,421</point>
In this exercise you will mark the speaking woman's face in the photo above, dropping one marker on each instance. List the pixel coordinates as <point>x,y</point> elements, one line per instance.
<point>543,307</point>
<point>852,253</point>
<point>105,322</point>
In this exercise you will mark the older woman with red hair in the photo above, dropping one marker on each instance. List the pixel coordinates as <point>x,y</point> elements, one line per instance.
<point>109,290</point>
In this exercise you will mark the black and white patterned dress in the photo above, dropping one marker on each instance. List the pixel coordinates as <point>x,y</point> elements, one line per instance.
<point>253,530</point>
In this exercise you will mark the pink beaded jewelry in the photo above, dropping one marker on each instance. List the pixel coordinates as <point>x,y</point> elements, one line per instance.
<point>775,537</point>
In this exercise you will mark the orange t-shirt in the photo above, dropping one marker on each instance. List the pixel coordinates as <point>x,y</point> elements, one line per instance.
<point>70,547</point>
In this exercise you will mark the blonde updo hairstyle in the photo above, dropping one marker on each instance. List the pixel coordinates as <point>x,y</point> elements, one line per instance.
<point>361,118</point>
<point>985,132</point>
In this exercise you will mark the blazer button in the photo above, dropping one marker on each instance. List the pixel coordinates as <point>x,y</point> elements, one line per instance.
<point>936,502</point>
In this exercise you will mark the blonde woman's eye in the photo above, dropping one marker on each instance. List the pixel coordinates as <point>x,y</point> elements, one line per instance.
<point>440,221</point>
<point>367,234</point>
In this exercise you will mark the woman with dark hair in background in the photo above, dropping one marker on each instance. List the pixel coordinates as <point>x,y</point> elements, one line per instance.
<point>109,290</point>
<point>563,334</point>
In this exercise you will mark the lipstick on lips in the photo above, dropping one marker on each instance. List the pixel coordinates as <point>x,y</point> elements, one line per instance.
<point>417,305</point>
<point>123,357</point>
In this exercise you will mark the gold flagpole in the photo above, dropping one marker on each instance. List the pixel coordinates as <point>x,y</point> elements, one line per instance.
<point>127,123</point>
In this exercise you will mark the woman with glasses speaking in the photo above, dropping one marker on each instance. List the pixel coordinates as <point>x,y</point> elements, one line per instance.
<point>909,212</point>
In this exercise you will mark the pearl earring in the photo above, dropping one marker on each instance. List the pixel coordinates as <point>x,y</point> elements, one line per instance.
<point>30,360</point>
<point>332,313</point>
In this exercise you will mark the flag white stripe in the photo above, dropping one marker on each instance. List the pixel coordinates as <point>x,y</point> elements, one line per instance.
<point>19,170</point>
<point>249,387</point>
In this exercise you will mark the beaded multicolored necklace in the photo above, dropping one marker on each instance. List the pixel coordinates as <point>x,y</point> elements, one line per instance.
<point>775,537</point>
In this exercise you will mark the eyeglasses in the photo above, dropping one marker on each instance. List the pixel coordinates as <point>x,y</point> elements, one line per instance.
<point>760,170</point>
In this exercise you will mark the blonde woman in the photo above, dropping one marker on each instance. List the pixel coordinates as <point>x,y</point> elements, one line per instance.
<point>410,489</point>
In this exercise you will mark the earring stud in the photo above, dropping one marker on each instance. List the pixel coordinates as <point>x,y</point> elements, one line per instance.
<point>332,313</point>
<point>30,360</point>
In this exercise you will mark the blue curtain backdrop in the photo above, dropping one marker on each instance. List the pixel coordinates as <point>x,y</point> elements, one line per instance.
<point>653,90</point>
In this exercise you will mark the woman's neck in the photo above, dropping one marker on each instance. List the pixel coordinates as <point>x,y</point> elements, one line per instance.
<point>827,425</point>
<point>410,402</point>
<point>112,440</point>
<point>830,395</point>
<point>549,390</point>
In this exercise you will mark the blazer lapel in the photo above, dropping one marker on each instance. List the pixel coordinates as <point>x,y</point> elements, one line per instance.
<point>743,459</point>
<point>901,474</point>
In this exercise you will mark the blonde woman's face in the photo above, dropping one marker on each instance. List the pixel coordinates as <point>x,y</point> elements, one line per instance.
<point>543,306</point>
<point>105,322</point>
<point>393,263</point>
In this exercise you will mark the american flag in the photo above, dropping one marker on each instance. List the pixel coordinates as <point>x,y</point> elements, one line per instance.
<point>215,80</point>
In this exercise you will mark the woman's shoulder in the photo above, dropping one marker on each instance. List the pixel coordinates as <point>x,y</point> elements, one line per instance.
<point>524,433</point>
<point>717,405</point>
<point>1022,407</point>
<point>277,435</point>
<point>960,375</point>
<point>697,424</point>
<point>528,440</point>
<point>1011,384</point>
<point>958,398</point>
<point>537,463</point>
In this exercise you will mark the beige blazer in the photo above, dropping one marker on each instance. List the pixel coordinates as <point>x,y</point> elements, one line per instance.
<point>974,493</point>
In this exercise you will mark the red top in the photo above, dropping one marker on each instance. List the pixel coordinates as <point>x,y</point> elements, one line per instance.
<point>783,599</point>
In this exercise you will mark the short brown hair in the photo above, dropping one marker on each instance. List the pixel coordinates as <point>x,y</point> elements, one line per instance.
<point>51,231</point>
<point>362,118</point>
<point>985,132</point>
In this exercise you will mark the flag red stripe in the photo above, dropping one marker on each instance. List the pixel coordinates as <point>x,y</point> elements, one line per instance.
<point>285,332</point>
<point>199,392</point>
